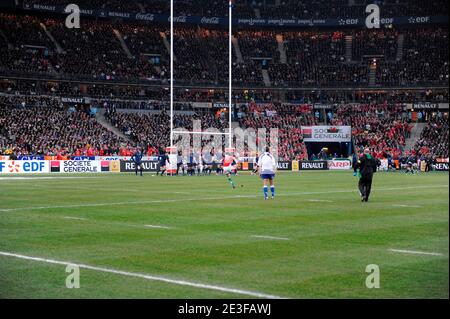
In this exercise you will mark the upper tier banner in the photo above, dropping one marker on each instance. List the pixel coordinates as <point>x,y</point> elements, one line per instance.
<point>249,22</point>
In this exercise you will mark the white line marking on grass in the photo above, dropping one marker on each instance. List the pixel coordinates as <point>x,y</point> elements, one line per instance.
<point>147,277</point>
<point>407,206</point>
<point>269,237</point>
<point>74,218</point>
<point>43,178</point>
<point>414,252</point>
<point>320,201</point>
<point>207,198</point>
<point>157,226</point>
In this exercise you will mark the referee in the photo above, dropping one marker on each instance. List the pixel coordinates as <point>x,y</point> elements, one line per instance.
<point>367,166</point>
<point>267,166</point>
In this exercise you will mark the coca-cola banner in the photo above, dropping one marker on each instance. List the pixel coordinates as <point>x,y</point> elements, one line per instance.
<point>327,133</point>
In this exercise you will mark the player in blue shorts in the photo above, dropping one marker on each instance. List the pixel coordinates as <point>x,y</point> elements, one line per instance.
<point>267,167</point>
<point>137,159</point>
<point>162,159</point>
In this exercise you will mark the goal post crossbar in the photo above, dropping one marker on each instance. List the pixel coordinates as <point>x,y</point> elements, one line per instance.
<point>200,133</point>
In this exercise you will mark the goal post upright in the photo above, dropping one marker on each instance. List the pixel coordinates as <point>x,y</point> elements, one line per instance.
<point>230,74</point>
<point>171,71</point>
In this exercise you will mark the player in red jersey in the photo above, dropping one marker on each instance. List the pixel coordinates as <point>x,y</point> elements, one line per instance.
<point>229,165</point>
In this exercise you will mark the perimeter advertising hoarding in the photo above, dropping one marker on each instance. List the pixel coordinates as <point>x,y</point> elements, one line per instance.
<point>313,165</point>
<point>24,167</point>
<point>148,166</point>
<point>79,166</point>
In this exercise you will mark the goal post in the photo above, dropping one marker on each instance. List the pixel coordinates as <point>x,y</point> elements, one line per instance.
<point>229,134</point>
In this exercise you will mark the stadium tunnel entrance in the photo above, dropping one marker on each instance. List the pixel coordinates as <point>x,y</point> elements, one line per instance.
<point>323,150</point>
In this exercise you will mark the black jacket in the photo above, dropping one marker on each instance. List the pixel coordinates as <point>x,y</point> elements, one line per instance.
<point>367,166</point>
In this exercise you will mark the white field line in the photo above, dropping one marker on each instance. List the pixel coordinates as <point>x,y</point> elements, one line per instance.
<point>45,178</point>
<point>407,206</point>
<point>120,224</point>
<point>157,226</point>
<point>147,277</point>
<point>415,252</point>
<point>269,237</point>
<point>74,218</point>
<point>206,199</point>
<point>320,201</point>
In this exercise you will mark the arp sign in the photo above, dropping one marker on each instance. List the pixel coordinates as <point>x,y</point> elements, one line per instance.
<point>339,164</point>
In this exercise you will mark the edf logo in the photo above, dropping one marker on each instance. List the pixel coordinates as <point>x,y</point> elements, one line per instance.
<point>33,166</point>
<point>16,167</point>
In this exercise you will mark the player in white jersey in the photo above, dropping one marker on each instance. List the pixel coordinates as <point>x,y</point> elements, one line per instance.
<point>267,167</point>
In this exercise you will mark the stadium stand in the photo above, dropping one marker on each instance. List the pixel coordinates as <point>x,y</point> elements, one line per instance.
<point>381,127</point>
<point>313,58</point>
<point>434,139</point>
<point>43,126</point>
<point>364,76</point>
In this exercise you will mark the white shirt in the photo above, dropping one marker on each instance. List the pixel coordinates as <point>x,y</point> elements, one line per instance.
<point>267,164</point>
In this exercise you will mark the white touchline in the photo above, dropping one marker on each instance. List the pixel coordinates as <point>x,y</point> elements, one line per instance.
<point>414,252</point>
<point>157,226</point>
<point>269,237</point>
<point>21,178</point>
<point>74,218</point>
<point>407,206</point>
<point>147,277</point>
<point>4,210</point>
<point>320,201</point>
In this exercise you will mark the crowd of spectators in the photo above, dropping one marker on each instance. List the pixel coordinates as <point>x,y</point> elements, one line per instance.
<point>375,43</point>
<point>38,123</point>
<point>43,126</point>
<point>152,129</point>
<point>288,119</point>
<point>383,128</point>
<point>313,58</point>
<point>433,141</point>
<point>133,93</point>
<point>368,97</point>
<point>424,60</point>
<point>320,9</point>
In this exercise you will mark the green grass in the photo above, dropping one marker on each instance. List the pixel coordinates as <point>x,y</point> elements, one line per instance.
<point>332,236</point>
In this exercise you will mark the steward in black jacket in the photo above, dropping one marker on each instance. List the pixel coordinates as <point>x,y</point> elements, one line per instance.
<point>367,166</point>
